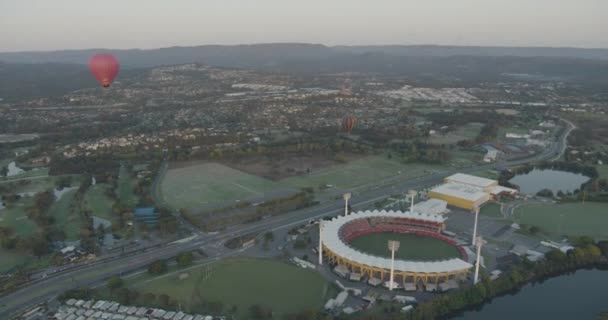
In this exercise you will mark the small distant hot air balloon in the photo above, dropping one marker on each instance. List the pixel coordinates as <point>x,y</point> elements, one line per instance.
<point>104,68</point>
<point>348,122</point>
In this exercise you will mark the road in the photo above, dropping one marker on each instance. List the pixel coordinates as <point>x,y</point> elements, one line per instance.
<point>96,273</point>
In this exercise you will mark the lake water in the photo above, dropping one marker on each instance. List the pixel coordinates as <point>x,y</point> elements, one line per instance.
<point>554,180</point>
<point>13,170</point>
<point>582,295</point>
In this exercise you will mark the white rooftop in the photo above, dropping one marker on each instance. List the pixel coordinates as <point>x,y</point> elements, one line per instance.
<point>462,191</point>
<point>471,180</point>
<point>331,239</point>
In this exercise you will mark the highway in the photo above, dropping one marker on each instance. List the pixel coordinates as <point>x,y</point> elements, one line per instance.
<point>96,273</point>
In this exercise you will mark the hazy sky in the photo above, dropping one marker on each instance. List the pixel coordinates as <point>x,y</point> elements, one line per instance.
<point>70,24</point>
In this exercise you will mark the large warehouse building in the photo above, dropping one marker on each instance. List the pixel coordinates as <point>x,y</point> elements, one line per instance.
<point>467,191</point>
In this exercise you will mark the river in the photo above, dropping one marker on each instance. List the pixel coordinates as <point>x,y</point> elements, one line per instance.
<point>582,295</point>
<point>554,180</point>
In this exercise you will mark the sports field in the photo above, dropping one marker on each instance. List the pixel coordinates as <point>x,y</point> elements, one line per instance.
<point>491,210</point>
<point>413,247</point>
<point>203,183</point>
<point>368,170</point>
<point>572,219</point>
<point>97,201</point>
<point>244,282</point>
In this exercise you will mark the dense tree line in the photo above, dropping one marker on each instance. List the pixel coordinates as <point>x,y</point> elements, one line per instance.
<point>585,254</point>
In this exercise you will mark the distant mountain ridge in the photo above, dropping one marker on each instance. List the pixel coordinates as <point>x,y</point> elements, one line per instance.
<point>270,54</point>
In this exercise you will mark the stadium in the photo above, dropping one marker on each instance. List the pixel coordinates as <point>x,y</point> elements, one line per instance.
<point>337,234</point>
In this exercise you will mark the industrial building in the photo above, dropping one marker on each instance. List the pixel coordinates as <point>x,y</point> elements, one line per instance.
<point>460,195</point>
<point>468,192</point>
<point>472,181</point>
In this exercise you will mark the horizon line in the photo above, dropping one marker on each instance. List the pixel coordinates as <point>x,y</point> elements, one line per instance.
<point>309,43</point>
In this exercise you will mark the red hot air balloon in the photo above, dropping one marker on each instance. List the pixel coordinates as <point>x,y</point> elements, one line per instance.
<point>104,68</point>
<point>348,122</point>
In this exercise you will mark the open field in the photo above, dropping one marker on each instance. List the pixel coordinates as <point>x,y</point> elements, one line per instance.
<point>489,174</point>
<point>126,186</point>
<point>572,219</point>
<point>491,210</point>
<point>11,259</point>
<point>603,171</point>
<point>97,201</point>
<point>30,185</point>
<point>368,170</point>
<point>460,158</point>
<point>15,217</point>
<point>466,132</point>
<point>36,173</point>
<point>65,218</point>
<point>244,282</point>
<point>278,167</point>
<point>413,247</point>
<point>203,183</point>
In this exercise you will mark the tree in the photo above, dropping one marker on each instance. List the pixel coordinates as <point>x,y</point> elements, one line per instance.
<point>163,300</point>
<point>184,259</point>
<point>547,193</point>
<point>114,282</point>
<point>534,229</point>
<point>63,182</point>
<point>158,267</point>
<point>269,236</point>
<point>123,296</point>
<point>603,245</point>
<point>149,298</point>
<point>258,312</point>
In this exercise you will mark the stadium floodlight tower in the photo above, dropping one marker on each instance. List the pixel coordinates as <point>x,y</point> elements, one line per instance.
<point>393,246</point>
<point>346,197</point>
<point>478,243</point>
<point>412,195</point>
<point>321,222</point>
<point>475,225</point>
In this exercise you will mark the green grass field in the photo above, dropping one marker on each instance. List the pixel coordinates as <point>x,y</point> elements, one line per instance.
<point>602,170</point>
<point>11,259</point>
<point>65,218</point>
<point>126,185</point>
<point>207,183</point>
<point>572,219</point>
<point>244,282</point>
<point>491,210</point>
<point>369,170</point>
<point>489,174</point>
<point>413,247</point>
<point>466,132</point>
<point>98,202</point>
<point>15,217</point>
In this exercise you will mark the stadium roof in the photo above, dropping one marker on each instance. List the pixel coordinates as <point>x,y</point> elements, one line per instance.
<point>332,240</point>
<point>431,206</point>
<point>462,191</point>
<point>471,180</point>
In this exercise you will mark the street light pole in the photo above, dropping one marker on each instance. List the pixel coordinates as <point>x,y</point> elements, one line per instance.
<point>412,194</point>
<point>321,241</point>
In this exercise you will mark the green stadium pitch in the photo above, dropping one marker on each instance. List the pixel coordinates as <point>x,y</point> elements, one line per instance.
<point>413,247</point>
